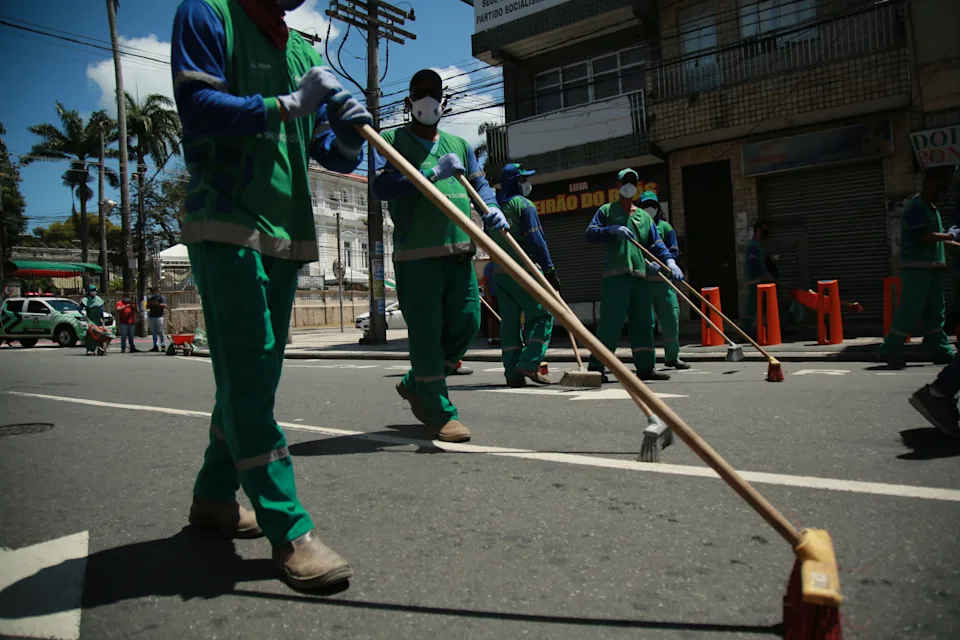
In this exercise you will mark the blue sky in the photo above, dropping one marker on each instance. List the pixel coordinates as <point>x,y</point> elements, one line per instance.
<point>81,77</point>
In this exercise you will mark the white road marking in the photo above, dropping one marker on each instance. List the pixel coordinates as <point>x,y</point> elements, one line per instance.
<point>53,588</point>
<point>825,372</point>
<point>330,366</point>
<point>493,370</point>
<point>569,394</point>
<point>195,359</point>
<point>398,368</point>
<point>757,477</point>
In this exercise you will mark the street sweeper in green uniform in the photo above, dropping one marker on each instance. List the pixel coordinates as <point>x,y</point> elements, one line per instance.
<point>256,105</point>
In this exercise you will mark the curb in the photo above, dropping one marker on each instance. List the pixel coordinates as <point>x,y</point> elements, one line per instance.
<point>798,356</point>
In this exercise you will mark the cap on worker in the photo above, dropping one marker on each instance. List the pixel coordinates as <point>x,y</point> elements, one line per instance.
<point>91,288</point>
<point>649,196</point>
<point>514,170</point>
<point>426,76</point>
<point>623,173</point>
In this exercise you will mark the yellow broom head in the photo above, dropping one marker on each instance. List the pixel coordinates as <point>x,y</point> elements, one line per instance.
<point>819,576</point>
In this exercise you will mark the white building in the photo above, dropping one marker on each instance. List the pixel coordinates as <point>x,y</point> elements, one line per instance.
<point>346,195</point>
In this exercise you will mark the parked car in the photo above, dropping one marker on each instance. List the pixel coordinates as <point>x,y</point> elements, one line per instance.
<point>394,319</point>
<point>32,318</point>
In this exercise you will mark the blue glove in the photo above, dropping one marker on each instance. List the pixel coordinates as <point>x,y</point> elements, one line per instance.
<point>316,87</point>
<point>622,232</point>
<point>675,274</point>
<point>447,167</point>
<point>653,269</point>
<point>495,219</point>
<point>955,232</point>
<point>346,114</point>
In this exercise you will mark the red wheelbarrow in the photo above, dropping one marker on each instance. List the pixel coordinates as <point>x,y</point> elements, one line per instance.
<point>181,343</point>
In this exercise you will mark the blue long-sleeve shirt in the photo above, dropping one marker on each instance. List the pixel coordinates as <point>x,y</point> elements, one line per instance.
<point>599,231</point>
<point>532,240</point>
<point>390,184</point>
<point>207,108</point>
<point>670,241</point>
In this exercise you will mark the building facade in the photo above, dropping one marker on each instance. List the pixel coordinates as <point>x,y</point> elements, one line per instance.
<point>345,196</point>
<point>797,112</point>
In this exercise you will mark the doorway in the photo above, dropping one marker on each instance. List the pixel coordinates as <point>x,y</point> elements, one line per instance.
<point>711,236</point>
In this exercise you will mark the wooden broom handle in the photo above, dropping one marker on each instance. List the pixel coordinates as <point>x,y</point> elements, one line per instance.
<point>706,453</point>
<point>650,255</point>
<point>487,304</point>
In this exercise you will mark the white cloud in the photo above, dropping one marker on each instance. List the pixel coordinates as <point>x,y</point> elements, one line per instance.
<point>140,77</point>
<point>143,77</point>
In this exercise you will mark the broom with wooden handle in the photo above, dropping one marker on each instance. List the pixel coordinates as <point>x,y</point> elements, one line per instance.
<point>816,568</point>
<point>774,369</point>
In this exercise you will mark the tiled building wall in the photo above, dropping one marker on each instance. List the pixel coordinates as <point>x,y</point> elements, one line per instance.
<point>872,77</point>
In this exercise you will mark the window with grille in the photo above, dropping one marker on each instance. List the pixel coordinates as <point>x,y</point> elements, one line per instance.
<point>759,19</point>
<point>600,78</point>
<point>698,33</point>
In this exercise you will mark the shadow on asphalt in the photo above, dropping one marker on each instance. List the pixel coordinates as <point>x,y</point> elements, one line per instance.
<point>190,565</point>
<point>372,442</point>
<point>928,444</point>
<point>704,627</point>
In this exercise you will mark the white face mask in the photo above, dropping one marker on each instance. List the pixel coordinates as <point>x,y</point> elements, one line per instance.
<point>628,190</point>
<point>427,111</point>
<point>652,211</point>
<point>526,188</point>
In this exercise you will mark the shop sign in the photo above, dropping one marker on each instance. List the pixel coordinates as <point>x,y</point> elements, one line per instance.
<point>493,13</point>
<point>821,147</point>
<point>937,147</point>
<point>587,193</point>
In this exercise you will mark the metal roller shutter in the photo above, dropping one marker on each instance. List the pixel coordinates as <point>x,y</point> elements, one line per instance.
<point>579,263</point>
<point>830,224</point>
<point>950,216</point>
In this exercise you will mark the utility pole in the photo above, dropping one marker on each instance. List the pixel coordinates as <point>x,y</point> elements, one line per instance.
<point>141,244</point>
<point>3,238</point>
<point>380,20</point>
<point>102,208</point>
<point>338,269</point>
<point>122,126</point>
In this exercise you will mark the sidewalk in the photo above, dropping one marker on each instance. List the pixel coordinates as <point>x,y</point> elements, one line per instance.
<point>318,344</point>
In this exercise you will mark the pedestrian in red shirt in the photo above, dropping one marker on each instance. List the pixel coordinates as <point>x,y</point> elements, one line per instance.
<point>126,317</point>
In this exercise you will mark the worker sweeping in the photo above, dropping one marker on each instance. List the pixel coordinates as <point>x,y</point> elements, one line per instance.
<point>626,292</point>
<point>665,303</point>
<point>922,270</point>
<point>433,257</point>
<point>256,105</point>
<point>92,308</point>
<point>524,347</point>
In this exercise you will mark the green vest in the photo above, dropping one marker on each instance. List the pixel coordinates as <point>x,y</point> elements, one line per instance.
<point>512,211</point>
<point>918,254</point>
<point>253,191</point>
<point>420,230</point>
<point>94,309</point>
<point>622,256</point>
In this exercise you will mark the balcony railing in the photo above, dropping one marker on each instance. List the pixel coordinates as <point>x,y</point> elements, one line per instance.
<point>606,119</point>
<point>813,43</point>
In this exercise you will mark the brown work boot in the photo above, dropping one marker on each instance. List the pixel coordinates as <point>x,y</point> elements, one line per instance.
<point>415,407</point>
<point>307,563</point>
<point>454,431</point>
<point>517,382</point>
<point>229,518</point>
<point>535,376</point>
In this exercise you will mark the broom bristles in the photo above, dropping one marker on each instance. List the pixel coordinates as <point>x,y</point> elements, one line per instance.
<point>592,379</point>
<point>774,371</point>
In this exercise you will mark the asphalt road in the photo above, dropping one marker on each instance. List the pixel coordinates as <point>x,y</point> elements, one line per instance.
<point>543,527</point>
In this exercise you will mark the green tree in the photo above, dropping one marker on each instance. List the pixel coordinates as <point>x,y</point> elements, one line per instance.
<point>79,143</point>
<point>13,204</point>
<point>154,132</point>
<point>164,208</point>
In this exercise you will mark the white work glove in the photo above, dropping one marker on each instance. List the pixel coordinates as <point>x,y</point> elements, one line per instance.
<point>317,86</point>
<point>955,232</point>
<point>675,274</point>
<point>495,220</point>
<point>447,167</point>
<point>623,232</point>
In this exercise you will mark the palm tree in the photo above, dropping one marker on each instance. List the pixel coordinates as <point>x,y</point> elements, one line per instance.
<point>154,131</point>
<point>79,143</point>
<point>481,149</point>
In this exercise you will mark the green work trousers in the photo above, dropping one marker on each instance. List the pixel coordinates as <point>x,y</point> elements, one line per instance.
<point>668,313</point>
<point>522,348</point>
<point>627,297</point>
<point>921,299</point>
<point>441,306</point>
<point>247,299</point>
